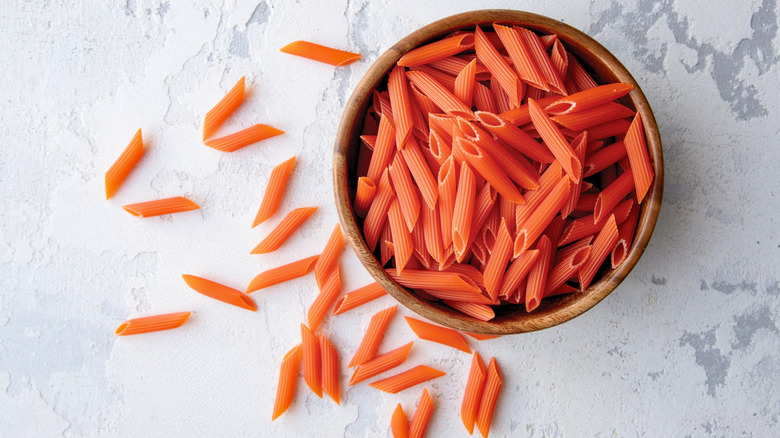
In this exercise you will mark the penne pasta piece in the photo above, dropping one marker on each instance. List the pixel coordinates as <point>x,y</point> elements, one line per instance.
<point>220,292</point>
<point>498,67</point>
<point>282,274</point>
<point>641,168</point>
<point>579,77</point>
<point>328,260</point>
<point>587,225</point>
<point>160,207</point>
<point>439,94</point>
<point>324,301</point>
<point>437,50</point>
<point>447,81</point>
<point>565,289</point>
<point>422,416</point>
<point>541,60</point>
<point>589,98</point>
<point>443,124</point>
<point>312,360</point>
<point>586,203</point>
<point>604,158</point>
<point>399,103</point>
<point>277,184</point>
<point>447,183</point>
<point>127,160</point>
<point>320,53</point>
<point>464,83</point>
<point>452,65</point>
<point>602,131</point>
<point>330,369</point>
<point>612,194</point>
<point>464,209</point>
<point>407,379</point>
<point>432,233</point>
<point>522,59</point>
<point>517,272</point>
<point>434,280</point>
<point>383,149</point>
<point>481,312</point>
<point>364,194</point>
<point>373,337</point>
<point>223,109</point>
<point>554,140</point>
<point>602,247</point>
<point>515,137</point>
<point>284,230</point>
<point>506,210</point>
<point>579,144</point>
<point>418,242</point>
<point>288,374</point>
<point>377,213</point>
<point>486,166</point>
<point>497,263</point>
<point>398,424</point>
<point>473,394</point>
<point>402,239</point>
<point>484,99</point>
<point>154,323</point>
<point>381,105</point>
<point>487,404</point>
<point>569,250</point>
<point>358,297</point>
<point>435,333</point>
<point>521,116</point>
<point>559,60</point>
<point>243,138</point>
<point>386,244</point>
<point>380,364</point>
<point>564,269</point>
<point>626,232</point>
<point>421,173</point>
<point>424,103</point>
<point>595,116</point>
<point>537,277</point>
<point>542,216</point>
<point>551,176</point>
<point>405,191</point>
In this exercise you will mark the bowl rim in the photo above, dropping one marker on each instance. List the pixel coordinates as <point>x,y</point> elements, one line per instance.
<point>580,43</point>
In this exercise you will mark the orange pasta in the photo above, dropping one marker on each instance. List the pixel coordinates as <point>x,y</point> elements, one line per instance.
<point>447,182</point>
<point>498,67</point>
<point>604,158</point>
<point>358,297</point>
<point>541,60</point>
<point>636,148</point>
<point>383,149</point>
<point>464,83</point>
<point>486,166</point>
<point>587,225</point>
<point>579,144</point>
<point>484,99</point>
<point>559,59</point>
<point>155,323</point>
<point>589,98</point>
<point>422,416</point>
<point>435,333</point>
<point>464,209</point>
<point>381,105</point>
<point>515,137</point>
<point>402,240</point>
<point>517,272</point>
<point>473,394</point>
<point>223,109</point>
<point>377,213</point>
<point>274,191</point>
<point>373,337</point>
<point>398,424</point>
<point>553,138</point>
<point>522,60</point>
<point>330,369</point>
<point>602,131</point>
<point>444,80</point>
<point>364,195</point>
<point>487,404</point>
<point>282,274</point>
<point>421,172</point>
<point>537,277</point>
<point>437,50</point>
<point>542,216</point>
<point>611,195</point>
<point>288,374</point>
<point>329,258</point>
<point>328,294</point>
<point>380,364</point>
<point>432,234</point>
<point>602,246</point>
<point>160,207</point>
<point>454,64</point>
<point>481,312</point>
<point>405,191</point>
<point>284,230</point>
<point>424,103</point>
<point>564,269</point>
<point>597,115</point>
<point>220,292</point>
<point>312,360</point>
<point>127,160</point>
<point>320,53</point>
<point>439,94</point>
<point>625,238</point>
<point>243,138</point>
<point>497,263</point>
<point>386,244</point>
<point>521,116</point>
<point>399,103</point>
<point>506,209</point>
<point>434,280</point>
<point>407,379</point>
<point>418,240</point>
<point>549,179</point>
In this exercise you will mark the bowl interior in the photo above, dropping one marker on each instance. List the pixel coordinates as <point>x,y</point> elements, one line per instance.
<point>604,68</point>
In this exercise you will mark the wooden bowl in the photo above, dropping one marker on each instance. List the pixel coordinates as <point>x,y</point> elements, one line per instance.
<point>509,318</point>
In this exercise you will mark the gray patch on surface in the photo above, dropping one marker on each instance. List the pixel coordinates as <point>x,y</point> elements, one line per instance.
<point>655,375</point>
<point>367,418</point>
<point>259,15</point>
<point>239,44</point>
<point>716,365</point>
<point>163,9</point>
<point>747,324</point>
<point>360,29</point>
<point>703,286</point>
<point>729,288</point>
<point>677,190</point>
<point>130,7</point>
<point>773,289</point>
<point>723,217</point>
<point>660,281</point>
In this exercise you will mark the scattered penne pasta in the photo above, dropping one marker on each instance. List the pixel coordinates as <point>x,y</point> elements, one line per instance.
<point>282,274</point>
<point>320,53</point>
<point>358,297</point>
<point>380,364</point>
<point>160,207</point>
<point>422,415</point>
<point>373,337</point>
<point>407,379</point>
<point>274,191</point>
<point>220,292</point>
<point>243,138</point>
<point>155,323</point>
<point>127,160</point>
<point>223,109</point>
<point>284,230</point>
<point>288,374</point>
<point>439,334</point>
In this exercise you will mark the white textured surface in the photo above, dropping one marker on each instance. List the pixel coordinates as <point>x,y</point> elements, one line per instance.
<point>687,346</point>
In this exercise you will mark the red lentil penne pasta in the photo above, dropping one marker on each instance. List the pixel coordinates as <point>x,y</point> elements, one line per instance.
<point>403,247</point>
<point>579,77</point>
<point>398,424</point>
<point>486,166</point>
<point>549,179</point>
<point>324,301</point>
<point>154,323</point>
<point>569,250</point>
<point>565,269</point>
<point>603,130</point>
<point>553,138</point>
<point>484,99</point>
<point>612,194</point>
<point>602,247</point>
<point>312,360</point>
<point>447,183</point>
<point>497,263</point>
<point>399,102</point>
<point>587,225</point>
<point>515,137</point>
<point>464,83</point>
<point>432,233</point>
<point>506,209</point>
<point>452,65</point>
<point>282,274</point>
<point>127,160</point>
<point>243,138</point>
<point>422,416</point>
<point>407,379</point>
<point>277,184</point>
<point>498,67</point>
<point>386,244</point>
<point>330,369</point>
<point>641,168</point>
<point>358,297</point>
<point>220,292</point>
<point>329,258</point>
<point>579,144</point>
<point>445,80</point>
<point>383,149</point>
<point>320,53</point>
<point>434,280</point>
<point>483,205</point>
<point>373,337</point>
<point>424,103</point>
<point>522,60</point>
<point>443,124</point>
<point>542,216</point>
<point>564,289</point>
<point>366,189</point>
<point>473,394</point>
<point>487,405</point>
<point>439,334</point>
<point>437,50</point>
<point>284,230</point>
<point>626,232</point>
<point>377,213</point>
<point>595,116</point>
<point>405,191</point>
<point>517,272</point>
<point>380,364</point>
<point>481,312</point>
<point>439,94</point>
<point>418,240</point>
<point>521,116</point>
<point>223,109</point>
<point>586,203</point>
<point>589,98</point>
<point>604,158</point>
<point>160,207</point>
<point>421,173</point>
<point>537,277</point>
<point>464,209</point>
<point>381,104</point>
<point>559,59</point>
<point>541,60</point>
<point>288,374</point>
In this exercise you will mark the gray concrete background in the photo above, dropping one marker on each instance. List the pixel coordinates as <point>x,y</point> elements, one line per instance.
<point>686,346</point>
